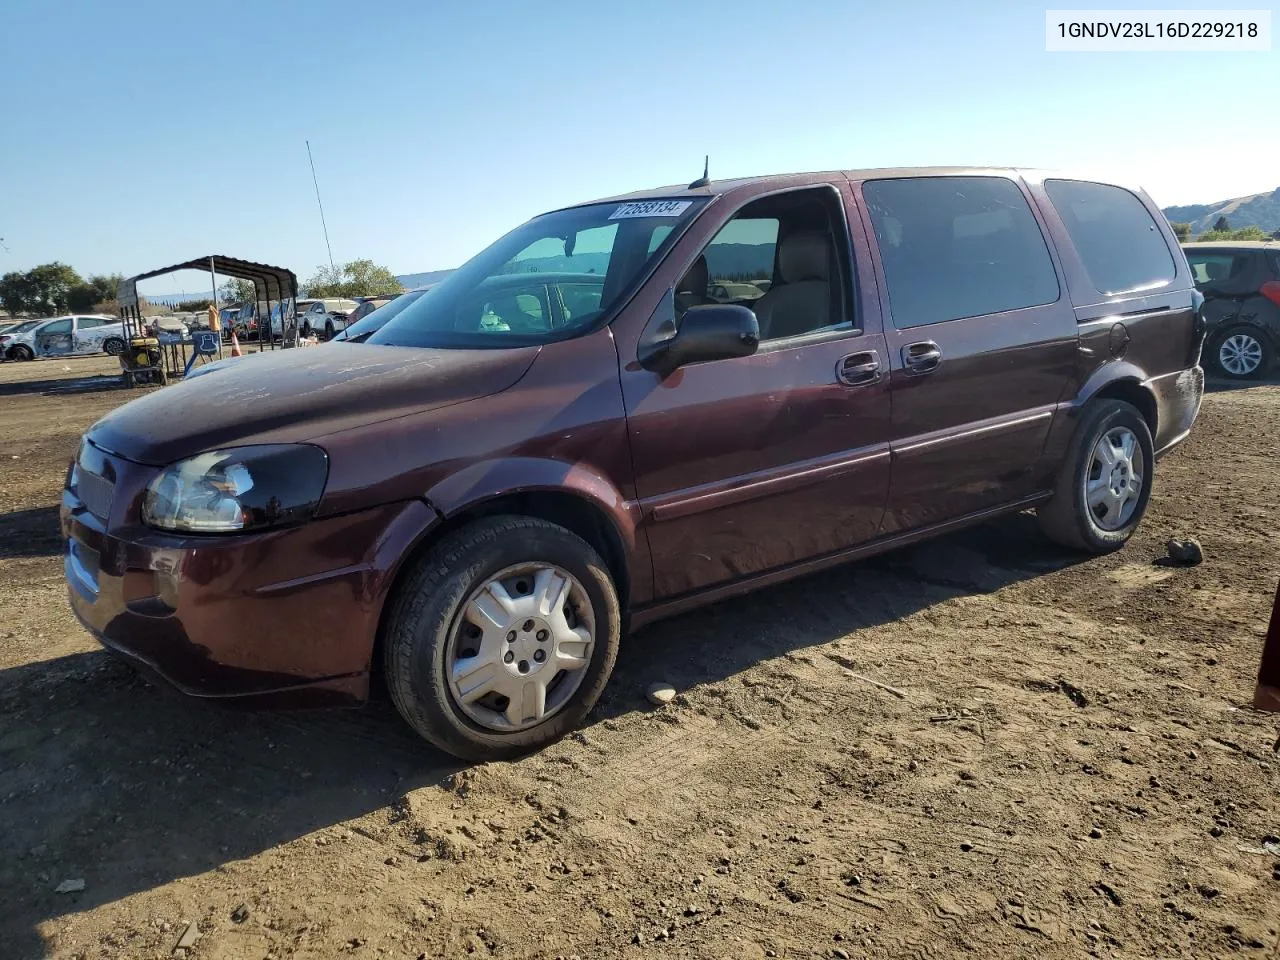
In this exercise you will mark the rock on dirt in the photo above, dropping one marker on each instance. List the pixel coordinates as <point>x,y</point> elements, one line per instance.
<point>660,693</point>
<point>69,886</point>
<point>1183,553</point>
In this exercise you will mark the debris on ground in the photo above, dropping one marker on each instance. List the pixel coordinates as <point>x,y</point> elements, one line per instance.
<point>69,886</point>
<point>660,693</point>
<point>1182,553</point>
<point>188,940</point>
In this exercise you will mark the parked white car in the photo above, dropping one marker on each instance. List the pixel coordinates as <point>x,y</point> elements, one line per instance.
<point>326,317</point>
<point>64,337</point>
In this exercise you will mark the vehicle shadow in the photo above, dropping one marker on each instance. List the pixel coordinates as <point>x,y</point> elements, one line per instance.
<point>1215,384</point>
<point>94,383</point>
<point>30,533</point>
<point>107,778</point>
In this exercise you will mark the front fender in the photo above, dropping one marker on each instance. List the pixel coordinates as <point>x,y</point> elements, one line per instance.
<point>489,479</point>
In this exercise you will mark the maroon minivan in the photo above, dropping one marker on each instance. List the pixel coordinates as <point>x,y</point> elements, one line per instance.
<point>570,437</point>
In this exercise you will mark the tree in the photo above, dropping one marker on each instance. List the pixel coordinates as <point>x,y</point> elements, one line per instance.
<point>1244,233</point>
<point>82,298</point>
<point>192,306</point>
<point>1275,235</point>
<point>15,292</point>
<point>237,290</point>
<point>358,278</point>
<point>1182,231</point>
<point>42,291</point>
<point>1221,224</point>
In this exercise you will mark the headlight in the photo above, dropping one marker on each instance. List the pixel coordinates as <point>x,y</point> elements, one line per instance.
<point>242,488</point>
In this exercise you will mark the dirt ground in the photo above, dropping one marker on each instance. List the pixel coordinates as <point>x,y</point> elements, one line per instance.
<point>1067,765</point>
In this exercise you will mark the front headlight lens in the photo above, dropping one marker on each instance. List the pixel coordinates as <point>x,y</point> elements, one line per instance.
<point>242,488</point>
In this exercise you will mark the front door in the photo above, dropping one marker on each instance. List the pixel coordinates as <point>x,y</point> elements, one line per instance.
<point>750,464</point>
<point>982,342</point>
<point>56,338</point>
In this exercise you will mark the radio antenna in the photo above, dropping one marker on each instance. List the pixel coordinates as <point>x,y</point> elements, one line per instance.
<point>704,180</point>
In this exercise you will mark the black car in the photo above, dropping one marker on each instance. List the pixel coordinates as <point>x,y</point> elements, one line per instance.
<point>1241,286</point>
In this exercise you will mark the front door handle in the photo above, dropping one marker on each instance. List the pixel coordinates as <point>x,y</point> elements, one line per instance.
<point>859,369</point>
<point>921,357</point>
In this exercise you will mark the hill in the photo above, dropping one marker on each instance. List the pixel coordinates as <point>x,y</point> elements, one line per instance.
<point>1260,210</point>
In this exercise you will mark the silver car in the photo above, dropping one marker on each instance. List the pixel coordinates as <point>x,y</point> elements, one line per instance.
<point>64,337</point>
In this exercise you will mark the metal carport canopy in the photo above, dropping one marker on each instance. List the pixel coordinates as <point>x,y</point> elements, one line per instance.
<point>272,283</point>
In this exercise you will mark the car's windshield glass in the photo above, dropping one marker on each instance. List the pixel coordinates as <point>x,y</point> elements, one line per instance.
<point>380,317</point>
<point>24,327</point>
<point>549,279</point>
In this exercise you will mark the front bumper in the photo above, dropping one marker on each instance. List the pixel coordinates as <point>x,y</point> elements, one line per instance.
<point>269,615</point>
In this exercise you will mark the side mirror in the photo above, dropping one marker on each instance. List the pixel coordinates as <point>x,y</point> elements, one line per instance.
<point>714,331</point>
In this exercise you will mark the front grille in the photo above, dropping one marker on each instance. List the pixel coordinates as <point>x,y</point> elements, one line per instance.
<point>95,492</point>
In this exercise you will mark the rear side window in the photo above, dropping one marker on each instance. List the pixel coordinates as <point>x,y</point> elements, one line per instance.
<point>956,247</point>
<point>1210,268</point>
<point>1119,243</point>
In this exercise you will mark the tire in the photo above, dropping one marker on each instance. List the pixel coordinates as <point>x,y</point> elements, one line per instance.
<point>1068,518</point>
<point>305,330</point>
<point>22,352</point>
<point>329,332</point>
<point>426,622</point>
<point>113,346</point>
<point>1240,352</point>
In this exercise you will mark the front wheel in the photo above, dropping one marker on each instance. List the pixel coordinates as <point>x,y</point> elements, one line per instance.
<point>1240,353</point>
<point>1105,482</point>
<point>22,352</point>
<point>502,638</point>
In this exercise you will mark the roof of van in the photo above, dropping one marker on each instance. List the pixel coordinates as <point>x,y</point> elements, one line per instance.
<point>719,187</point>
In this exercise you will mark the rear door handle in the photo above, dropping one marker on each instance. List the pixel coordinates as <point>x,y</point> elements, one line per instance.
<point>859,369</point>
<point>921,357</point>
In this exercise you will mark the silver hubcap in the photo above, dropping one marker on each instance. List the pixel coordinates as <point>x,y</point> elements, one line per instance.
<point>1113,482</point>
<point>521,647</point>
<point>1240,354</point>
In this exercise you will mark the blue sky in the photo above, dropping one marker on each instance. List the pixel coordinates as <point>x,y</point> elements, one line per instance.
<point>141,133</point>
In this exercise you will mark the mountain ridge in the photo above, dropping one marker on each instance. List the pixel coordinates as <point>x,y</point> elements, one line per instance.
<point>1256,210</point>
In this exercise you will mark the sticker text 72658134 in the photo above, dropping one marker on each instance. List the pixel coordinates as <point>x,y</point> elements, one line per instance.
<point>651,208</point>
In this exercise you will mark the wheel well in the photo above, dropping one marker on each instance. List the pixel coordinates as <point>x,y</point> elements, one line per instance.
<point>567,510</point>
<point>1132,392</point>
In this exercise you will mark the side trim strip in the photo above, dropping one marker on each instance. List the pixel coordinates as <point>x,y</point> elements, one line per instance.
<point>941,437</point>
<point>711,496</point>
<point>688,601</point>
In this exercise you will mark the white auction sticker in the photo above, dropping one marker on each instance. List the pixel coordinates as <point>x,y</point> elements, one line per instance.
<point>1098,31</point>
<point>651,208</point>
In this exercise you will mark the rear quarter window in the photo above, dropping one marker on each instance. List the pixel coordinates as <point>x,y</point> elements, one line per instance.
<point>1122,249</point>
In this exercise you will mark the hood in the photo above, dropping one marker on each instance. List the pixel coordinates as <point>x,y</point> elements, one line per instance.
<point>293,395</point>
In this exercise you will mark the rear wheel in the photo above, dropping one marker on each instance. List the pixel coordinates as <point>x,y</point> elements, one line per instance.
<point>113,346</point>
<point>1104,484</point>
<point>1241,353</point>
<point>502,638</point>
<point>328,330</point>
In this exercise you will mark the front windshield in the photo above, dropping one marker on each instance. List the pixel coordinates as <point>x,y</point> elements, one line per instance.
<point>24,327</point>
<point>547,280</point>
<point>378,318</point>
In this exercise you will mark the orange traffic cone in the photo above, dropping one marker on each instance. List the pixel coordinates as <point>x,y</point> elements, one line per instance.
<point>235,346</point>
